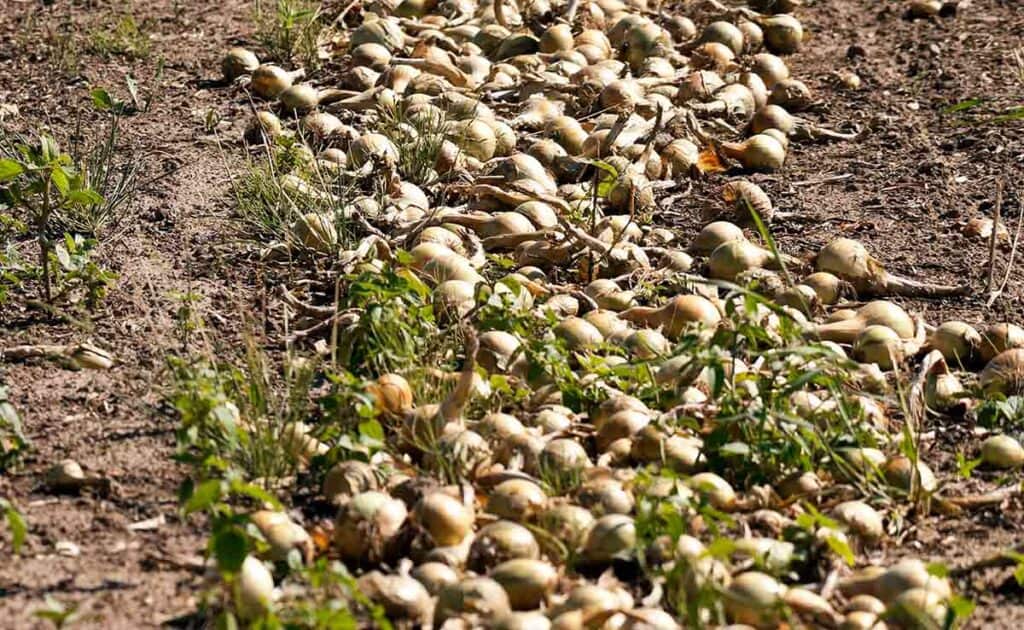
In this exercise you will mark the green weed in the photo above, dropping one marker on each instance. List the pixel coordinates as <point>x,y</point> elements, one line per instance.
<point>122,37</point>
<point>290,30</point>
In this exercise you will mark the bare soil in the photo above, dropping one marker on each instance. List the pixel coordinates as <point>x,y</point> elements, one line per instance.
<point>904,188</point>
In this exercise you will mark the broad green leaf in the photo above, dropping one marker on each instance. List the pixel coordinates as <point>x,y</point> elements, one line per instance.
<point>9,169</point>
<point>85,197</point>
<point>254,492</point>
<point>59,177</point>
<point>101,99</point>
<point>204,495</point>
<point>961,607</point>
<point>229,549</point>
<point>372,429</point>
<point>841,548</point>
<point>16,523</point>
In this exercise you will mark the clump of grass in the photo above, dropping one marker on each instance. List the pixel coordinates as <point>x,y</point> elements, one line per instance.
<point>268,210</point>
<point>290,30</point>
<point>419,140</point>
<point>12,440</point>
<point>235,419</point>
<point>396,329</point>
<point>108,171</point>
<point>123,37</point>
<point>63,46</point>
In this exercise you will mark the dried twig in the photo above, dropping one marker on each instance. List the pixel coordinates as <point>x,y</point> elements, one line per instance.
<point>996,212</point>
<point>1009,263</point>
<point>825,180</point>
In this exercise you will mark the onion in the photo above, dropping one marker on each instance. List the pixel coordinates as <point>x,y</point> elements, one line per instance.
<point>681,27</point>
<point>568,523</point>
<point>879,312</point>
<point>714,489</point>
<point>828,287</point>
<point>770,68</point>
<point>528,582</point>
<point>608,323</point>
<point>283,535</point>
<point>238,61</point>
<point>800,485</point>
<point>917,606</point>
<point>371,55</point>
<point>563,456</point>
<point>676,316</point>
<point>373,146</point>
<point>1005,373</point>
<point>480,596</point>
<point>865,603</point>
<point>943,391</point>
<point>850,260</point>
<point>453,299</point>
<point>552,420</point>
<point>732,258</point>
<point>791,94</point>
<point>753,36</point>
<point>723,33</point>
<point>906,575</point>
<point>254,589</point>
<point>899,472</point>
<point>501,541</point>
<point>386,32</point>
<point>646,344</point>
<point>1002,451</point>
<point>531,620</point>
<point>401,596</point>
<point>861,519</point>
<point>499,353</point>
<point>392,394</point>
<point>957,341</point>
<point>775,6</point>
<point>299,98</point>
<point>86,356</point>
<point>924,8</point>
<point>782,34</point>
<point>760,152</point>
<point>699,85</point>
<point>754,598</point>
<point>879,344</point>
<point>445,518</point>
<point>475,137</point>
<point>998,338</point>
<point>745,196</point>
<point>556,38</point>
<point>714,234</point>
<point>348,478</point>
<point>569,133</point>
<point>516,500</point>
<point>644,619</point>
<point>612,536</point>
<point>268,80</point>
<point>680,157</point>
<point>578,334</point>
<point>435,576</point>
<point>264,127</point>
<point>368,519</point>
<point>604,495</point>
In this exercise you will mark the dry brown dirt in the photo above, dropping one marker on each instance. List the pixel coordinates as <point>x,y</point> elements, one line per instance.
<point>906,186</point>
